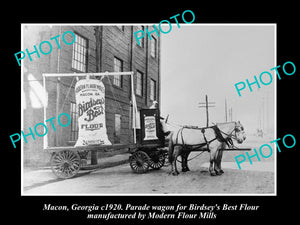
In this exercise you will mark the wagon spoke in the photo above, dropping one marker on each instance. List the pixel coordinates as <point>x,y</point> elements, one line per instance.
<point>63,155</point>
<point>73,158</point>
<point>59,156</point>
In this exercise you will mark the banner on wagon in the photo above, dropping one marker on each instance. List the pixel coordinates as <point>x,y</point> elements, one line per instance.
<point>150,128</point>
<point>90,101</point>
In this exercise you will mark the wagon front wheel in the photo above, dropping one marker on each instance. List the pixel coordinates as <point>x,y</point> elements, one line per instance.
<point>65,164</point>
<point>139,162</point>
<point>157,160</point>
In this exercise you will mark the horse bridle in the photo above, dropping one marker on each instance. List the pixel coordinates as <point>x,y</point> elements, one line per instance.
<point>231,136</point>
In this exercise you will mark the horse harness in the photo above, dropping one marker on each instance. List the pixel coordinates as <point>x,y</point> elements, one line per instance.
<point>218,137</point>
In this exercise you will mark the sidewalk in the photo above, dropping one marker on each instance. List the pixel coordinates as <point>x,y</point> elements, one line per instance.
<point>41,176</point>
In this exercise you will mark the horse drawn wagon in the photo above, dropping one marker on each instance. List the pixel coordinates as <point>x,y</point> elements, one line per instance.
<point>148,148</point>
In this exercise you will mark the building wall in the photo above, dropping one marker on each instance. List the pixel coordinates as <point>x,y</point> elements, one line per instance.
<point>114,42</point>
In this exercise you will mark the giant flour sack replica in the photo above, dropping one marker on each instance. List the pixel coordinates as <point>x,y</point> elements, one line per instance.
<point>90,101</point>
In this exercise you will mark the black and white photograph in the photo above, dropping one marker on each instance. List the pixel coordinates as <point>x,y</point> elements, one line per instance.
<point>150,114</point>
<point>144,109</point>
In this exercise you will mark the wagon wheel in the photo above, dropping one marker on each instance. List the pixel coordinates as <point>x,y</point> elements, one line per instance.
<point>139,162</point>
<point>157,160</point>
<point>65,164</point>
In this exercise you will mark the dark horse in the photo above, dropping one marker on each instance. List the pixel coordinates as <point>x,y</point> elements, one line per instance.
<point>185,140</point>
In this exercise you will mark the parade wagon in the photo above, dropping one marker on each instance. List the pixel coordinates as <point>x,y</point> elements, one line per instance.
<point>147,146</point>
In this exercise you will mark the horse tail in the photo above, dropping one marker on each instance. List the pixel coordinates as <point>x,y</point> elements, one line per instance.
<point>171,148</point>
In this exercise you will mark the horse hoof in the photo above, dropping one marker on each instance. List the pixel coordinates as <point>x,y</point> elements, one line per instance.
<point>213,173</point>
<point>175,173</point>
<point>185,169</point>
<point>219,173</point>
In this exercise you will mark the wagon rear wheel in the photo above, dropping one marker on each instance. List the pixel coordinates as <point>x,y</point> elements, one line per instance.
<point>139,162</point>
<point>65,164</point>
<point>157,160</point>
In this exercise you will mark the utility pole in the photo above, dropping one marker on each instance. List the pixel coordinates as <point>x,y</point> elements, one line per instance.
<point>206,105</point>
<point>225,110</point>
<point>98,38</point>
<point>228,117</point>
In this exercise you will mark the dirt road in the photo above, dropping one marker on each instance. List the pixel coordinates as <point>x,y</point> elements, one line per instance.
<point>257,178</point>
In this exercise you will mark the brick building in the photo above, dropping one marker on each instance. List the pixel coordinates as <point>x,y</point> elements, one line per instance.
<point>95,49</point>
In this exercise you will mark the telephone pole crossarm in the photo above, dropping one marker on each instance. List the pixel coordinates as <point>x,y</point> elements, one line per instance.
<point>205,105</point>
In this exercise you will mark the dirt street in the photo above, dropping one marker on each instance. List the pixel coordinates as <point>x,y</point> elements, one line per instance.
<point>257,178</point>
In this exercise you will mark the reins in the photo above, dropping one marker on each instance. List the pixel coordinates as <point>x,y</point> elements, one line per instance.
<point>191,158</point>
<point>229,138</point>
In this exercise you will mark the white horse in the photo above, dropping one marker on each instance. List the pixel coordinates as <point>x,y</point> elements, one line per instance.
<point>212,139</point>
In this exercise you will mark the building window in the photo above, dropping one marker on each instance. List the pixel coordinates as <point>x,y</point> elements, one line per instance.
<point>117,132</point>
<point>118,67</point>
<point>153,47</point>
<point>74,122</point>
<point>142,39</point>
<point>152,90</point>
<point>139,83</point>
<point>79,55</point>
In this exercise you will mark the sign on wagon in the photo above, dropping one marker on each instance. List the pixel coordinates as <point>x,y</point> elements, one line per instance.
<point>90,100</point>
<point>150,128</point>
